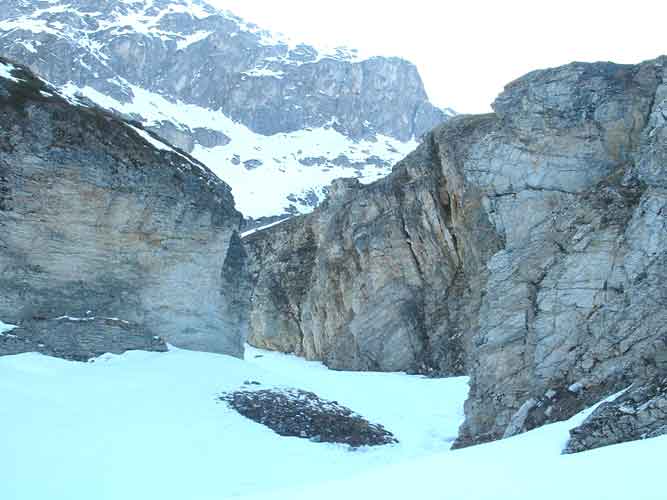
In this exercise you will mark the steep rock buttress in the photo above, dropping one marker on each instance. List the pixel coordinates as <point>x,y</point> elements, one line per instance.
<point>526,248</point>
<point>109,239</point>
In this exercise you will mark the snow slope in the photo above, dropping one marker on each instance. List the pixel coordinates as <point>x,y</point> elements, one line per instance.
<point>148,425</point>
<point>527,467</point>
<point>6,72</point>
<point>284,177</point>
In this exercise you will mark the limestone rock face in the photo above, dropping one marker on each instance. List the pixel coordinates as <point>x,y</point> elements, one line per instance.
<point>363,283</point>
<point>526,248</point>
<point>575,295</point>
<point>109,238</point>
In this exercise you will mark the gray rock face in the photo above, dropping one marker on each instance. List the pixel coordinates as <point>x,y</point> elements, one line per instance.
<point>641,413</point>
<point>576,295</point>
<point>102,223</point>
<point>527,248</point>
<point>78,339</point>
<point>371,280</point>
<point>187,50</point>
<point>174,135</point>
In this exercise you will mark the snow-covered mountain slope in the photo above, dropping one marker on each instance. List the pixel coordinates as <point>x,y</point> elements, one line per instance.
<point>276,119</point>
<point>148,425</point>
<point>269,174</point>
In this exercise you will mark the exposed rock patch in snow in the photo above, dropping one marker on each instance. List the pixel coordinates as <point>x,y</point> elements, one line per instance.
<point>294,412</point>
<point>144,415</point>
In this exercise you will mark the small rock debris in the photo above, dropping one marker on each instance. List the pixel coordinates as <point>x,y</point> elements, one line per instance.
<point>294,412</point>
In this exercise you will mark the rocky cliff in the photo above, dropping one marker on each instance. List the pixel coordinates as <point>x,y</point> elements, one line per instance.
<point>109,238</point>
<point>248,103</point>
<point>373,279</point>
<point>526,248</point>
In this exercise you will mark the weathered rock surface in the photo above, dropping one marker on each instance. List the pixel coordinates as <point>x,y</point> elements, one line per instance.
<point>527,248</point>
<point>640,413</point>
<point>577,296</point>
<point>363,283</point>
<point>78,339</point>
<point>109,239</point>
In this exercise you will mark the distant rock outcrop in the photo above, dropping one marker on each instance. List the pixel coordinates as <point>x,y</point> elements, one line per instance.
<point>109,239</point>
<point>526,248</point>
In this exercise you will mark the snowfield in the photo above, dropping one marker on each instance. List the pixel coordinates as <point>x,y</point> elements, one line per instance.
<point>149,426</point>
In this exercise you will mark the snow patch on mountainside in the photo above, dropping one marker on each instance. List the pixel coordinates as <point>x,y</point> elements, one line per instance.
<point>161,145</point>
<point>145,16</point>
<point>6,72</point>
<point>151,140</point>
<point>197,36</point>
<point>269,175</point>
<point>273,38</point>
<point>263,191</point>
<point>5,328</point>
<point>9,72</point>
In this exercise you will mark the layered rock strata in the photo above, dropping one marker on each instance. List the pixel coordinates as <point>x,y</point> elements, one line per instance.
<point>526,248</point>
<point>109,238</point>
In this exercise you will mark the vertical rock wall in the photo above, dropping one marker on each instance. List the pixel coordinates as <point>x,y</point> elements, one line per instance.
<point>526,248</point>
<point>99,223</point>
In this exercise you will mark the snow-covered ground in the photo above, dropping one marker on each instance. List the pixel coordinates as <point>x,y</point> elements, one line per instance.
<point>149,426</point>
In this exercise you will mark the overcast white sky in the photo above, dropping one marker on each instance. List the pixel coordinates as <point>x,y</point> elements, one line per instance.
<point>467,50</point>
